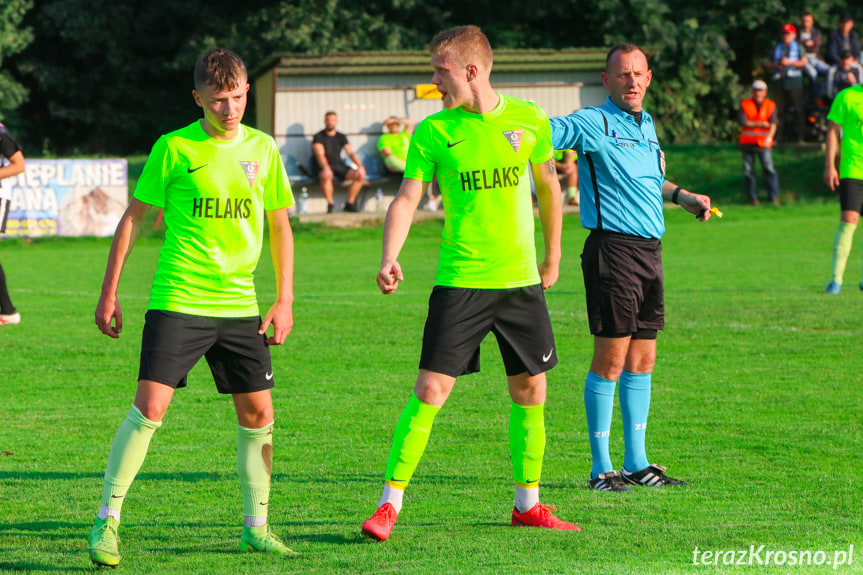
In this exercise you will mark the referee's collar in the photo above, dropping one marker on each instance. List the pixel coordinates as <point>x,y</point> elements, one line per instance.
<point>622,115</point>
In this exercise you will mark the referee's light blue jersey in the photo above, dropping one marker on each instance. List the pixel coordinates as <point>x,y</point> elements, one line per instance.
<point>621,169</point>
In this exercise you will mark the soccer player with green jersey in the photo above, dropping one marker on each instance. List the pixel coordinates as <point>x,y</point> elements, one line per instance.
<point>216,180</point>
<point>479,147</point>
<point>846,114</point>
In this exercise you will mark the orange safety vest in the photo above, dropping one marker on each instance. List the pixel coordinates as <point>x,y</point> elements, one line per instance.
<point>756,136</point>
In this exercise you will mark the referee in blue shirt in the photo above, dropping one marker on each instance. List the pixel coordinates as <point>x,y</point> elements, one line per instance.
<point>622,170</point>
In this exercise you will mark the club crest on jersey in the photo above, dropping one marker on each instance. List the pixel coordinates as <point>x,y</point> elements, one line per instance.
<point>251,170</point>
<point>514,138</point>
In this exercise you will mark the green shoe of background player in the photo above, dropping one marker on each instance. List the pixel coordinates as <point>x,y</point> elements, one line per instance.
<point>262,540</point>
<point>105,543</point>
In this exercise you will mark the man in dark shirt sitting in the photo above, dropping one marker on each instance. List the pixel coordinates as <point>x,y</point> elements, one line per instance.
<point>327,146</point>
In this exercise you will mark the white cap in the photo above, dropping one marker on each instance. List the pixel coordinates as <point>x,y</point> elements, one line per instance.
<point>759,85</point>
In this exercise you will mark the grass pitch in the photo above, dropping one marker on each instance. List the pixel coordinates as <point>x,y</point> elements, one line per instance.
<point>756,403</point>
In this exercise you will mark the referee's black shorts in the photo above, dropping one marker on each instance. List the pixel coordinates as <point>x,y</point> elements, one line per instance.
<point>851,195</point>
<point>460,318</point>
<point>174,342</point>
<point>623,284</point>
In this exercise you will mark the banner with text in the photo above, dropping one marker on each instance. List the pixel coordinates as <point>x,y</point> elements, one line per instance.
<point>67,198</point>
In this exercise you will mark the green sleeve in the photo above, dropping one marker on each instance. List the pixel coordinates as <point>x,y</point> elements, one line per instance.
<point>837,109</point>
<point>420,161</point>
<point>543,151</point>
<point>154,178</point>
<point>277,186</point>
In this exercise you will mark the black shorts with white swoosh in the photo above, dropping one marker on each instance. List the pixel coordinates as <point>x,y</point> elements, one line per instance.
<point>460,318</point>
<point>238,356</point>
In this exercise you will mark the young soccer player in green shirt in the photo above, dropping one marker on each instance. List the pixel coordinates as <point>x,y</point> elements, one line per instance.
<point>846,114</point>
<point>216,180</point>
<point>479,148</point>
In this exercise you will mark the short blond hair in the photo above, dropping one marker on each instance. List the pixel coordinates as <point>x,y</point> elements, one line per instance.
<point>467,44</point>
<point>220,69</point>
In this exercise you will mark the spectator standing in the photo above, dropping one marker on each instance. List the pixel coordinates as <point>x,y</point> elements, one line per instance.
<point>758,123</point>
<point>11,164</point>
<point>846,116</point>
<point>841,39</point>
<point>327,147</point>
<point>787,63</point>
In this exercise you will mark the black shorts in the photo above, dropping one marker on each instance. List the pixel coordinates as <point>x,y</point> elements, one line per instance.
<point>238,355</point>
<point>5,206</point>
<point>851,195</point>
<point>460,318</point>
<point>623,285</point>
<point>340,169</point>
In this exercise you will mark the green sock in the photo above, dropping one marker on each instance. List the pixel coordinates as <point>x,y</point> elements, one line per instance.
<point>526,443</point>
<point>127,455</point>
<point>255,466</point>
<point>841,248</point>
<point>571,192</point>
<point>409,441</point>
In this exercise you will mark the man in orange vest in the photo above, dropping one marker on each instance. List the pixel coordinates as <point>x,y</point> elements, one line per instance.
<point>758,123</point>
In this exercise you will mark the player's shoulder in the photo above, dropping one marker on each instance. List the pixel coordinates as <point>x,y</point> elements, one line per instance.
<point>257,136</point>
<point>855,92</point>
<point>190,133</point>
<point>439,122</point>
<point>586,118</point>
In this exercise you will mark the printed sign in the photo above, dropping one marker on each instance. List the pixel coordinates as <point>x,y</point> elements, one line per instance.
<point>67,198</point>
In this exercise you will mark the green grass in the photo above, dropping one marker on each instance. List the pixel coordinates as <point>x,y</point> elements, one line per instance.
<point>756,402</point>
<point>717,170</point>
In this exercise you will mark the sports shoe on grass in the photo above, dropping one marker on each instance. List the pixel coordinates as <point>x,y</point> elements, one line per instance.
<point>105,543</point>
<point>380,525</point>
<point>833,287</point>
<point>10,318</point>
<point>262,540</point>
<point>541,516</point>
<point>609,481</point>
<point>651,476</point>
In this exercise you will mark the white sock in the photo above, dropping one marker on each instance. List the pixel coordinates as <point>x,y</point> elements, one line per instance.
<point>392,496</point>
<point>253,521</point>
<point>105,512</point>
<point>525,498</point>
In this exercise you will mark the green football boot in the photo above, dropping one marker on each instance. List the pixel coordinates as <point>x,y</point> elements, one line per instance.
<point>262,540</point>
<point>105,543</point>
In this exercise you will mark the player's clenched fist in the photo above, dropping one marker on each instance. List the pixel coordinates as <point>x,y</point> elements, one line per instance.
<point>389,277</point>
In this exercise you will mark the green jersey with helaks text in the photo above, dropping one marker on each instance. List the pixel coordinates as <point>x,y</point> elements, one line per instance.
<point>482,163</point>
<point>847,111</point>
<point>214,195</point>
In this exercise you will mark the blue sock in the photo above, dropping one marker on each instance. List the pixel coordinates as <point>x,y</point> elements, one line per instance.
<point>599,405</point>
<point>634,405</point>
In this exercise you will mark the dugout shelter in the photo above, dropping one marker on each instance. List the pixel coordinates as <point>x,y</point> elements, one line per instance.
<point>292,93</point>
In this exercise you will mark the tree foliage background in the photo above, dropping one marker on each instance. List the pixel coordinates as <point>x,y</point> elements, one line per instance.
<point>14,37</point>
<point>109,76</point>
